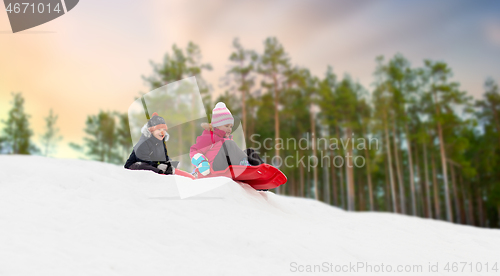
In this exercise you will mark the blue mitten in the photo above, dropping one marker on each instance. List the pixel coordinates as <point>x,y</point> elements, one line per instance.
<point>204,168</point>
<point>201,163</point>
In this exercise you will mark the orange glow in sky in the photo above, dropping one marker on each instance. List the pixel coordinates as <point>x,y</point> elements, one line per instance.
<point>93,57</point>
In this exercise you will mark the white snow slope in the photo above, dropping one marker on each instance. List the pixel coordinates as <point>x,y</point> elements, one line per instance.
<point>75,217</point>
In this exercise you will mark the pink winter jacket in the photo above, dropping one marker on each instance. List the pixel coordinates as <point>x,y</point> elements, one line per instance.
<point>209,144</point>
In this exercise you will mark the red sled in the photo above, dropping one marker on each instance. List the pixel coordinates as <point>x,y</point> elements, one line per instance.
<point>263,176</point>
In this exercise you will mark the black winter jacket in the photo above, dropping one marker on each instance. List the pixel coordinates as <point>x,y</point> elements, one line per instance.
<point>148,150</point>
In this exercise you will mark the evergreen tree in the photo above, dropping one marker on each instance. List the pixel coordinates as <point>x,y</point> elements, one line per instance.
<point>347,98</point>
<point>365,115</point>
<point>2,141</point>
<point>487,153</point>
<point>382,99</point>
<point>274,65</point>
<point>243,65</point>
<point>17,132</point>
<point>51,136</point>
<point>444,97</point>
<point>329,118</point>
<point>300,101</point>
<point>401,77</point>
<point>101,142</point>
<point>489,108</point>
<point>182,64</point>
<point>123,136</point>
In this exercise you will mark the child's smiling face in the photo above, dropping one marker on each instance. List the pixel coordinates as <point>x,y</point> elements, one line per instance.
<point>160,133</point>
<point>227,129</point>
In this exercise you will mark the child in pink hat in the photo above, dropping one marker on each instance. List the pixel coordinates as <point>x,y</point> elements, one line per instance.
<point>215,147</point>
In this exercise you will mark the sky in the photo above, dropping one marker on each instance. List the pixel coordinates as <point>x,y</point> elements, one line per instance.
<point>93,57</point>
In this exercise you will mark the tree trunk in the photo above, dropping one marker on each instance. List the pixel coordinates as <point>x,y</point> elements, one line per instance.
<point>455,195</point>
<point>402,199</point>
<point>470,210</point>
<point>276,122</point>
<point>342,188</point>
<point>341,173</point>
<point>368,173</point>
<point>361,195</point>
<point>334,181</point>
<point>480,208</point>
<point>315,168</point>
<point>449,215</point>
<point>437,208</point>
<point>391,175</point>
<point>427,184</point>
<point>301,172</point>
<point>193,126</point>
<point>326,181</point>
<point>418,185</point>
<point>387,189</point>
<point>243,102</point>
<point>463,206</point>
<point>252,128</point>
<point>350,174</point>
<point>179,144</point>
<point>498,213</point>
<point>412,178</point>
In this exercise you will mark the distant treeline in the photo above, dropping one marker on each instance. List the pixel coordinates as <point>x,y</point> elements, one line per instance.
<point>437,148</point>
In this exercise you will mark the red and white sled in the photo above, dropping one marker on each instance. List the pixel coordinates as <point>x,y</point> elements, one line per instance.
<point>260,177</point>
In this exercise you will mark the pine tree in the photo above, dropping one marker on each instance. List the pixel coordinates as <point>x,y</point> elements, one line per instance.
<point>489,108</point>
<point>182,64</point>
<point>2,141</point>
<point>17,132</point>
<point>382,99</point>
<point>295,120</point>
<point>101,143</point>
<point>365,112</point>
<point>444,96</point>
<point>273,66</point>
<point>487,152</point>
<point>328,116</point>
<point>347,97</point>
<point>124,139</point>
<point>243,65</point>
<point>51,136</point>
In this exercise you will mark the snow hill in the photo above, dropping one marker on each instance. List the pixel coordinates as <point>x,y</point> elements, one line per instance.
<point>75,217</point>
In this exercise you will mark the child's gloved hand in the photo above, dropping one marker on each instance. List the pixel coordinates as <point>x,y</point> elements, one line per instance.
<point>163,167</point>
<point>201,163</point>
<point>204,168</point>
<point>166,168</point>
<point>170,170</point>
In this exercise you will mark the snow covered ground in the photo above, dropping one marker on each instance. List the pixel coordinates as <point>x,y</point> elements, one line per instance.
<point>75,217</point>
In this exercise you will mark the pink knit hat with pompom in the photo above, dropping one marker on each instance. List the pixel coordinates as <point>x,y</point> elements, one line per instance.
<point>221,115</point>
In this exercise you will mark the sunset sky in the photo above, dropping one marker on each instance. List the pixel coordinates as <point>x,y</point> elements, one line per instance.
<point>92,58</point>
